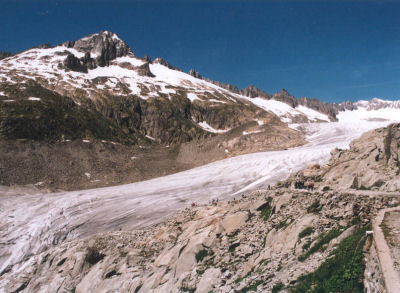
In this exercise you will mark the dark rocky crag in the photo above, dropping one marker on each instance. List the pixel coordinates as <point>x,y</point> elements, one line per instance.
<point>106,46</point>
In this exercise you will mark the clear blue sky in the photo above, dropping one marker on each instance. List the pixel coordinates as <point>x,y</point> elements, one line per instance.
<point>332,50</point>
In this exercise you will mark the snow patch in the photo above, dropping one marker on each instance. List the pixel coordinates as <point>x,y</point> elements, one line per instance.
<point>209,128</point>
<point>216,101</point>
<point>312,114</point>
<point>33,99</point>
<point>286,112</point>
<point>192,97</point>
<point>149,137</point>
<point>251,132</point>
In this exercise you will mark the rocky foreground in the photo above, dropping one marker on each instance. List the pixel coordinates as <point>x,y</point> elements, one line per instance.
<point>264,241</point>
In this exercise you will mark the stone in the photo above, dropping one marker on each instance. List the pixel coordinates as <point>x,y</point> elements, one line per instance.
<point>233,222</point>
<point>209,278</point>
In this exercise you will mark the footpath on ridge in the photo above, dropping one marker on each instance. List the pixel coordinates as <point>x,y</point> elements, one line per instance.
<point>391,276</point>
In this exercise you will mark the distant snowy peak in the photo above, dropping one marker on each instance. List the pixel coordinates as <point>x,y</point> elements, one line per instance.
<point>372,110</point>
<point>376,104</point>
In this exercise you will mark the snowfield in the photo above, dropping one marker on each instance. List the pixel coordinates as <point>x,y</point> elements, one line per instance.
<point>32,223</point>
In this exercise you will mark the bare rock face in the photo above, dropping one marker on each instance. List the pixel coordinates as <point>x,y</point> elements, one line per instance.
<point>74,64</point>
<point>252,92</point>
<point>194,73</point>
<point>144,70</point>
<point>105,46</point>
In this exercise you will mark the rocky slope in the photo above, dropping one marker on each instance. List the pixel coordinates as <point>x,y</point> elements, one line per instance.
<point>371,163</point>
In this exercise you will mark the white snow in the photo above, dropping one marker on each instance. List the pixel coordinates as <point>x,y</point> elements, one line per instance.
<point>260,122</point>
<point>312,114</point>
<point>286,112</point>
<point>251,132</point>
<point>209,128</point>
<point>85,140</point>
<point>33,99</point>
<point>216,101</point>
<point>192,97</point>
<point>129,59</point>
<point>362,114</point>
<point>8,101</point>
<point>149,137</point>
<point>3,94</point>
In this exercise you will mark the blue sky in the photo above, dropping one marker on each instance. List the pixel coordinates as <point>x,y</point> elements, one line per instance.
<point>331,50</point>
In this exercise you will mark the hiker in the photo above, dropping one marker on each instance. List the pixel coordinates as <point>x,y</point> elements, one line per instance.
<point>193,204</point>
<point>311,185</point>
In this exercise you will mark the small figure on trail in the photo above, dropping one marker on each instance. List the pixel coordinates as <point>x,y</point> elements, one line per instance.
<point>311,185</point>
<point>307,185</point>
<point>193,204</point>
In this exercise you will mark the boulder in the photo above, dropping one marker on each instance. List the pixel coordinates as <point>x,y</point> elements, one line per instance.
<point>233,222</point>
<point>210,277</point>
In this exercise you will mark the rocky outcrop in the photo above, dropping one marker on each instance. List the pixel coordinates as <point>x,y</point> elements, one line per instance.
<point>104,46</point>
<point>75,64</point>
<point>371,163</point>
<point>194,73</point>
<point>161,61</point>
<point>252,92</point>
<point>144,70</point>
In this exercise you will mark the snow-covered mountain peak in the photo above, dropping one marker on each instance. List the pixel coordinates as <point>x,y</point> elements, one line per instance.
<point>103,46</point>
<point>376,104</point>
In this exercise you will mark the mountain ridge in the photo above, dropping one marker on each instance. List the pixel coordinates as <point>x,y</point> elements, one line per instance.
<point>95,89</point>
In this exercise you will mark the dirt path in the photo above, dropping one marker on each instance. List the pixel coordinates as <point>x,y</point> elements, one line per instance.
<point>390,275</point>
